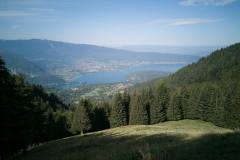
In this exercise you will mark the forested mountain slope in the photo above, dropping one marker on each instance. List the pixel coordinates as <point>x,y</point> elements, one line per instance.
<point>221,65</point>
<point>28,115</point>
<point>208,90</point>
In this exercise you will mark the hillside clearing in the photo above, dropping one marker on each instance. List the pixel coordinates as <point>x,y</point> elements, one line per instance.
<point>186,139</point>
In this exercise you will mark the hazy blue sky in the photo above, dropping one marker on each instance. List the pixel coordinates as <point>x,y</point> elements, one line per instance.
<point>123,22</point>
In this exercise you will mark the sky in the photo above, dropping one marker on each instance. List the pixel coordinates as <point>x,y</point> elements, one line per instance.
<point>123,22</point>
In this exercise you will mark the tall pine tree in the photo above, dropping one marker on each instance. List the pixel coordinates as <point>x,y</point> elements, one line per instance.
<point>81,119</point>
<point>160,104</point>
<point>138,110</point>
<point>126,103</point>
<point>175,110</point>
<point>119,112</point>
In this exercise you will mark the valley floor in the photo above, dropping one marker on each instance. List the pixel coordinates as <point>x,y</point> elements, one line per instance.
<point>174,140</point>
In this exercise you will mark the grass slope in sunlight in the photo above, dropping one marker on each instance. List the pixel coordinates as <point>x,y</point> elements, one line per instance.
<point>186,139</point>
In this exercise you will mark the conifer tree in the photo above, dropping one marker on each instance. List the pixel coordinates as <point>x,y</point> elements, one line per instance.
<point>211,100</point>
<point>81,118</point>
<point>184,95</point>
<point>100,118</point>
<point>192,112</point>
<point>119,112</point>
<point>138,110</point>
<point>203,104</point>
<point>148,99</point>
<point>175,110</point>
<point>219,113</point>
<point>126,103</point>
<point>160,104</point>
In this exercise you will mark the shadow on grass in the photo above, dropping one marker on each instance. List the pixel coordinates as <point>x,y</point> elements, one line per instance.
<point>154,147</point>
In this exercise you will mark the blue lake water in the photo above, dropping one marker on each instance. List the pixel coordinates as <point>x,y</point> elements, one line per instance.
<point>119,75</point>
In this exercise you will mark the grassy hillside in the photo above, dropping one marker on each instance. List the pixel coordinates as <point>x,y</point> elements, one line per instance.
<point>186,139</point>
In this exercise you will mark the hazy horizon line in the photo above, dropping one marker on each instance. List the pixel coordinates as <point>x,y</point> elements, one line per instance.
<point>123,45</point>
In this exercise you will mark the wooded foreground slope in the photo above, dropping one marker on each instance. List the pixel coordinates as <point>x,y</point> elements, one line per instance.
<point>208,90</point>
<point>28,115</point>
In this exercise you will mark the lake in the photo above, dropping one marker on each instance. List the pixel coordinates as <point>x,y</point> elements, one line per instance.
<point>119,75</point>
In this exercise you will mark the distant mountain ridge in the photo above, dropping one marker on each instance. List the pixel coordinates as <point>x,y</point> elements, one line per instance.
<point>53,61</point>
<point>54,49</point>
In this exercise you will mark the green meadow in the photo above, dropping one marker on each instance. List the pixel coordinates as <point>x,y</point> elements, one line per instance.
<point>180,140</point>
